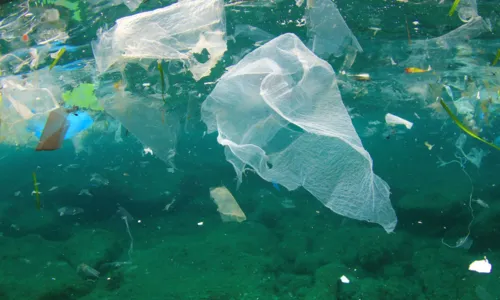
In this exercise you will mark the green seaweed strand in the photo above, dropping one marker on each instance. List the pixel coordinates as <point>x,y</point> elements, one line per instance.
<point>496,58</point>
<point>37,193</point>
<point>58,56</point>
<point>463,127</point>
<point>453,8</point>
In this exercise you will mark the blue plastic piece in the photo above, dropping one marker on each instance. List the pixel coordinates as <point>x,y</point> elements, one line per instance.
<point>78,122</point>
<point>497,141</point>
<point>276,186</point>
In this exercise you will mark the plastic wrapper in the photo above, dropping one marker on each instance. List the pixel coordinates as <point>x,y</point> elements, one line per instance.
<point>393,120</point>
<point>54,130</point>
<point>227,206</point>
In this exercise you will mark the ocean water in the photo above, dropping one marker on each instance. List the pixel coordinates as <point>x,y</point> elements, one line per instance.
<point>123,209</point>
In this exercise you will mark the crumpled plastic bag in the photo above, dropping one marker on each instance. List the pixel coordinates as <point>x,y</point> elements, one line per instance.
<point>279,112</point>
<point>176,32</point>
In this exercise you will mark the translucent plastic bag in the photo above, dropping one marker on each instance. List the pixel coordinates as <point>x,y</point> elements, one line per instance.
<point>146,117</point>
<point>22,105</point>
<point>176,32</point>
<point>328,33</point>
<point>475,26</point>
<point>280,113</point>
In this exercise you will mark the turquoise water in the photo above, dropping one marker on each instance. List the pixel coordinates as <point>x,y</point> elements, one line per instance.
<point>116,221</point>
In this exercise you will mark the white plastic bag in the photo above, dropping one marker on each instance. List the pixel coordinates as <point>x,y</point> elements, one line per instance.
<point>280,113</point>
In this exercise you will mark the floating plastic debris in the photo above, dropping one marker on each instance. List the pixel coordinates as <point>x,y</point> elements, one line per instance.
<point>276,185</point>
<point>449,92</point>
<point>132,4</point>
<point>375,30</point>
<point>253,33</point>
<point>293,83</point>
<point>327,31</point>
<point>464,242</point>
<point>54,130</point>
<point>36,192</point>
<point>470,30</point>
<point>187,28</point>
<point>97,180</point>
<point>51,15</point>
<point>358,77</point>
<point>344,279</point>
<point>147,151</point>
<point>227,206</point>
<point>70,167</point>
<point>87,271</point>
<point>127,217</point>
<point>481,266</point>
<point>75,123</point>
<point>481,203</point>
<point>85,192</point>
<point>287,203</point>
<point>394,120</point>
<point>167,207</point>
<point>124,214</point>
<point>69,211</point>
